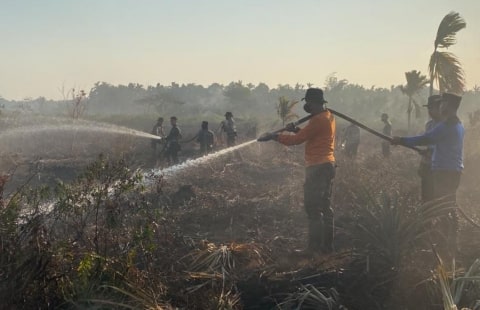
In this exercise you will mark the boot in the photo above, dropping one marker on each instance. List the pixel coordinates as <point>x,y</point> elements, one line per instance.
<point>328,234</point>
<point>314,244</point>
<point>315,235</point>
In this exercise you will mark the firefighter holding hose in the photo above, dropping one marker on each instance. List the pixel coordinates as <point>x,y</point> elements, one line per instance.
<point>319,138</point>
<point>446,161</point>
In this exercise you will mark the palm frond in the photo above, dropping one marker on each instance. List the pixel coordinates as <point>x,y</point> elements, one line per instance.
<point>137,298</point>
<point>415,82</point>
<point>224,259</point>
<point>229,300</point>
<point>292,104</point>
<point>285,109</point>
<point>310,297</point>
<point>446,69</point>
<point>471,277</point>
<point>448,28</point>
<point>418,109</point>
<point>448,303</point>
<point>390,231</point>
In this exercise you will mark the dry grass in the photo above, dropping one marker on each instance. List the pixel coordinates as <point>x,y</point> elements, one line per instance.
<point>230,245</point>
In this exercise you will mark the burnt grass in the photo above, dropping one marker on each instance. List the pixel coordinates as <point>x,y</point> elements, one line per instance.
<point>250,205</point>
<point>259,200</point>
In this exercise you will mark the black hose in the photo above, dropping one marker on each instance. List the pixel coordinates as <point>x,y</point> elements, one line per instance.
<point>351,120</point>
<point>370,130</point>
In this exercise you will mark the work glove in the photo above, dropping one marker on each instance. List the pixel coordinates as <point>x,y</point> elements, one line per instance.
<point>292,128</point>
<point>267,137</point>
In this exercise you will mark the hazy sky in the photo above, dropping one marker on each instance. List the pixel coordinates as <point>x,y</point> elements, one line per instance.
<point>50,43</point>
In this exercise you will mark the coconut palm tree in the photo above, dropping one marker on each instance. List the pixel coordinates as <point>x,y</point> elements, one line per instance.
<point>285,109</point>
<point>444,67</point>
<point>415,82</point>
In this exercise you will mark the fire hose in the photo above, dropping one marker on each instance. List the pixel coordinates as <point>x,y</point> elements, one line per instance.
<point>345,117</point>
<point>370,130</point>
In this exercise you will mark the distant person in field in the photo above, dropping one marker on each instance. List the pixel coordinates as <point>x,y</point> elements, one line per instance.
<point>319,138</point>
<point>157,130</point>
<point>173,142</point>
<point>425,168</point>
<point>228,127</point>
<point>387,130</point>
<point>206,139</point>
<point>251,132</point>
<point>351,140</point>
<point>447,160</point>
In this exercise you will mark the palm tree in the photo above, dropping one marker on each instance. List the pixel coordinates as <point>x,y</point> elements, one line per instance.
<point>415,82</point>
<point>284,109</point>
<point>444,67</point>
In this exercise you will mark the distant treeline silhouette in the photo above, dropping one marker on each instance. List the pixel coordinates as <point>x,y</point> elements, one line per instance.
<point>245,99</point>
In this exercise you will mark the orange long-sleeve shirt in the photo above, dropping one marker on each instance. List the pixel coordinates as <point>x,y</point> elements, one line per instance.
<point>319,138</point>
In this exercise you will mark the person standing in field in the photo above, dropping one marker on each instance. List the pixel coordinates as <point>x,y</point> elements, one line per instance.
<point>351,140</point>
<point>157,130</point>
<point>447,162</point>
<point>206,139</point>
<point>228,127</point>
<point>319,138</point>
<point>387,130</point>
<point>173,142</point>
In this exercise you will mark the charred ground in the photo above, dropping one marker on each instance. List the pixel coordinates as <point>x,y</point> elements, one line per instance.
<point>222,236</point>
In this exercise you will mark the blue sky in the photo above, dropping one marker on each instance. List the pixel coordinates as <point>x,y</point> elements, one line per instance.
<point>47,44</point>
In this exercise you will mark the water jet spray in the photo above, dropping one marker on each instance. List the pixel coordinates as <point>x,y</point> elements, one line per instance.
<point>169,171</point>
<point>77,128</point>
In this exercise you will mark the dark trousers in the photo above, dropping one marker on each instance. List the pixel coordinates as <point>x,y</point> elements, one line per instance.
<point>426,177</point>
<point>154,144</point>
<point>230,140</point>
<point>351,149</point>
<point>445,185</point>
<point>205,149</point>
<point>317,200</point>
<point>172,157</point>
<point>171,153</point>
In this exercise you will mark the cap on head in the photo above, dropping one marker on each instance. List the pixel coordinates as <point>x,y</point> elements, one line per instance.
<point>452,99</point>
<point>228,114</point>
<point>314,95</point>
<point>433,100</point>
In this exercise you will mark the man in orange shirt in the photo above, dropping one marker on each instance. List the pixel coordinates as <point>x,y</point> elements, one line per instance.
<point>319,138</point>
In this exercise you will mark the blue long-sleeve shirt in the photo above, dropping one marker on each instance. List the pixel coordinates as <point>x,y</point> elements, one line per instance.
<point>447,140</point>
<point>427,158</point>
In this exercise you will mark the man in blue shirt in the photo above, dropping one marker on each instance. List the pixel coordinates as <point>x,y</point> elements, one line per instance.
<point>447,157</point>
<point>447,139</point>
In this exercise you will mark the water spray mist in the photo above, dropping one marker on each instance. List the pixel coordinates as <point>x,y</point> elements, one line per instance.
<point>169,171</point>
